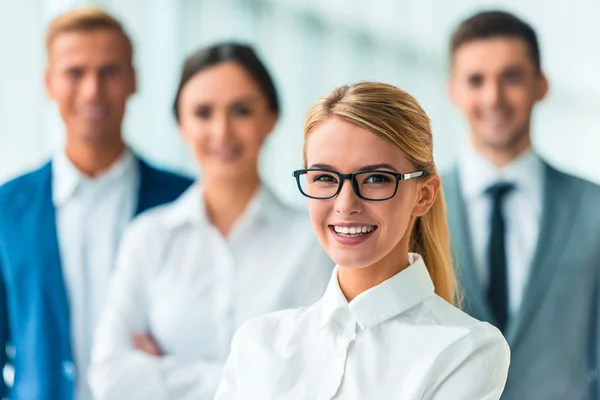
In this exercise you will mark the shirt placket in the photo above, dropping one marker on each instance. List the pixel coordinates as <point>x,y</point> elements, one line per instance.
<point>224,293</point>
<point>343,341</point>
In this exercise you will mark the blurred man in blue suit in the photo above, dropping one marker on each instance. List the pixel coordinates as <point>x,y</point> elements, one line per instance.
<point>60,225</point>
<point>525,236</point>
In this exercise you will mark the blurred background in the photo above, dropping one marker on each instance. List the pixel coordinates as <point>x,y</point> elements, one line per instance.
<point>310,46</point>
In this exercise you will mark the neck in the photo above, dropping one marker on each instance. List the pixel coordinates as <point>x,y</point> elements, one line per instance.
<point>354,281</point>
<point>502,156</point>
<point>91,160</point>
<point>226,201</point>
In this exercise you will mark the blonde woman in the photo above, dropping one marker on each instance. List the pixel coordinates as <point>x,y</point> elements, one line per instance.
<point>386,327</point>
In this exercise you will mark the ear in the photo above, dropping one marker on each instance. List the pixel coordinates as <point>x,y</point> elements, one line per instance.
<point>134,81</point>
<point>543,87</point>
<point>428,191</point>
<point>270,123</point>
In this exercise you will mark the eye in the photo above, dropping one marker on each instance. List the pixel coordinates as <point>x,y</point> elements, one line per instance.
<point>475,81</point>
<point>203,112</point>
<point>512,77</point>
<point>378,178</point>
<point>241,110</point>
<point>324,178</point>
<point>74,73</point>
<point>109,72</point>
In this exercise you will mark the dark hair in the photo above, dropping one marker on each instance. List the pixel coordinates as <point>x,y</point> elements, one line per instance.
<point>489,24</point>
<point>241,54</point>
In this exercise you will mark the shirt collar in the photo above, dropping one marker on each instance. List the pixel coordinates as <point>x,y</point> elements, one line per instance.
<point>66,178</point>
<point>191,209</point>
<point>477,174</point>
<point>390,298</point>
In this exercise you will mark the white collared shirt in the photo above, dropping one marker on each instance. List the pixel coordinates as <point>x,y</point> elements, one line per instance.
<point>91,215</point>
<point>522,210</point>
<point>397,340</point>
<point>180,281</point>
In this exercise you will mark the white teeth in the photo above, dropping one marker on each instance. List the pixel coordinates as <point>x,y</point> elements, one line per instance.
<point>353,231</point>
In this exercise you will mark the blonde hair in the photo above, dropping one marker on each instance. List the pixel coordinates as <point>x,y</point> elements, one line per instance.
<point>85,19</point>
<point>396,117</point>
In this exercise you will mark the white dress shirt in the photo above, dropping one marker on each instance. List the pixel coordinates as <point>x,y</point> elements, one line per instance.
<point>522,210</point>
<point>91,215</point>
<point>180,281</point>
<point>397,340</point>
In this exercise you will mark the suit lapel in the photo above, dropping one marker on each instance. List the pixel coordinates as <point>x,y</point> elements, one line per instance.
<point>555,230</point>
<point>39,220</point>
<point>474,299</point>
<point>145,187</point>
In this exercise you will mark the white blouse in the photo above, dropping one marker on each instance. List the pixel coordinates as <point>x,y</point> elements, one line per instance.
<point>397,340</point>
<point>180,281</point>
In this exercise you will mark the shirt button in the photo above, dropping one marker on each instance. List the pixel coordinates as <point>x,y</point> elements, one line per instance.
<point>68,370</point>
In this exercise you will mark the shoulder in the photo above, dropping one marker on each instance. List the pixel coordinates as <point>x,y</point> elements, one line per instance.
<point>469,330</point>
<point>451,185</point>
<point>160,176</point>
<point>449,175</point>
<point>288,220</point>
<point>555,177</point>
<point>24,186</point>
<point>574,189</point>
<point>439,312</point>
<point>155,225</point>
<point>283,209</point>
<point>274,329</point>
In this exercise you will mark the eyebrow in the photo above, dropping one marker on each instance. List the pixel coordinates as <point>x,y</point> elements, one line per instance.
<point>509,69</point>
<point>512,70</point>
<point>247,99</point>
<point>363,168</point>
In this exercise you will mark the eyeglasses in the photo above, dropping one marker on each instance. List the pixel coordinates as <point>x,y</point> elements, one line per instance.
<point>372,185</point>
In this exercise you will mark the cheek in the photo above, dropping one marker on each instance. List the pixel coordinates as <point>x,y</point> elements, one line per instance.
<point>251,133</point>
<point>118,95</point>
<point>397,218</point>
<point>66,97</point>
<point>469,103</point>
<point>520,99</point>
<point>318,211</point>
<point>194,134</point>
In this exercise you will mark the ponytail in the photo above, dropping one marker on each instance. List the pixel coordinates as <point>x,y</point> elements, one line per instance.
<point>430,238</point>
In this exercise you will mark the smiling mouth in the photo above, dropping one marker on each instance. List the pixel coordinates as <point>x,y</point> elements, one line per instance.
<point>94,115</point>
<point>354,231</point>
<point>228,154</point>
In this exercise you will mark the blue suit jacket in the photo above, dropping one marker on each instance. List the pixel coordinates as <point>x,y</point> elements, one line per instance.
<point>34,312</point>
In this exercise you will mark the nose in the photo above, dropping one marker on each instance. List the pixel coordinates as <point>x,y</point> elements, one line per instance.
<point>91,87</point>
<point>221,127</point>
<point>347,202</point>
<point>493,93</point>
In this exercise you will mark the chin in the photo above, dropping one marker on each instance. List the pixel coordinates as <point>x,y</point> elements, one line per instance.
<point>226,172</point>
<point>346,259</point>
<point>499,139</point>
<point>97,137</point>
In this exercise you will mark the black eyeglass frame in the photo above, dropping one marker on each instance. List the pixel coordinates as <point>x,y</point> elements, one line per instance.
<point>353,182</point>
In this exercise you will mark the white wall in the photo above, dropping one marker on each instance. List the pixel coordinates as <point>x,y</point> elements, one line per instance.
<point>310,47</point>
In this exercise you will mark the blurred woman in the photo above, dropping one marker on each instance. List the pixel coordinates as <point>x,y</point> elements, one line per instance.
<point>386,327</point>
<point>227,250</point>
